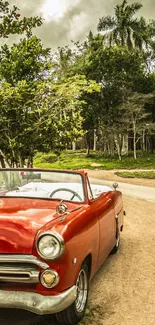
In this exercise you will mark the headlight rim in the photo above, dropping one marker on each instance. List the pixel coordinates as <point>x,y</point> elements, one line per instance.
<point>58,237</point>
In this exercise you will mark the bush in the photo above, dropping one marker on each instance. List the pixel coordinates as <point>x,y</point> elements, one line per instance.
<point>41,157</point>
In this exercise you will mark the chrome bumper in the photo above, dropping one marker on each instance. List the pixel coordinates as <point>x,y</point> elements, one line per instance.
<point>20,268</point>
<point>37,303</point>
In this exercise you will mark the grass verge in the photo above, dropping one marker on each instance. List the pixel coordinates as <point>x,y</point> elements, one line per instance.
<point>143,174</point>
<point>96,160</point>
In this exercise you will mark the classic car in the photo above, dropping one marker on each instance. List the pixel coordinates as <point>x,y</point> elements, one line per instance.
<point>56,230</point>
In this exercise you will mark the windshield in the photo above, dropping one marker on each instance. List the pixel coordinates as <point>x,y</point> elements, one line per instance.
<point>42,184</point>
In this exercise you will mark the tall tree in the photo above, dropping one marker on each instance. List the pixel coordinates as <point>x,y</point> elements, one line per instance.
<point>61,102</point>
<point>125,29</point>
<point>115,69</point>
<point>11,22</point>
<point>133,108</point>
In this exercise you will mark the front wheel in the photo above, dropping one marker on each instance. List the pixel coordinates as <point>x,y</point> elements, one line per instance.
<point>74,313</point>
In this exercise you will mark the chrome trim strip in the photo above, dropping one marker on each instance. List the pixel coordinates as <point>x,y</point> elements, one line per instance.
<point>23,259</point>
<point>18,275</point>
<point>37,303</point>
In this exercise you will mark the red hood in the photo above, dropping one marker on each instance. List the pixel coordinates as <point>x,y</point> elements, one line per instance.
<point>20,220</point>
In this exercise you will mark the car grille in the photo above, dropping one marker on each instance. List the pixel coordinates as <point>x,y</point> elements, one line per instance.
<point>20,268</point>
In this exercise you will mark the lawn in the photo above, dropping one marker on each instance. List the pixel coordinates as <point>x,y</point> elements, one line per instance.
<point>139,174</point>
<point>96,160</point>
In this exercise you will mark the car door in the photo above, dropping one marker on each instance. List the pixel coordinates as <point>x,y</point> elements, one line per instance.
<point>104,212</point>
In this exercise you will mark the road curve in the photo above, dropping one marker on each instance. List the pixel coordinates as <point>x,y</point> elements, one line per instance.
<point>130,190</point>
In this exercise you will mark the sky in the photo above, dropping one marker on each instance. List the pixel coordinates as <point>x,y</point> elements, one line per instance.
<point>66,20</point>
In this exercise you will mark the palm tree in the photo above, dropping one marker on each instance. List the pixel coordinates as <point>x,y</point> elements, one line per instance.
<point>123,29</point>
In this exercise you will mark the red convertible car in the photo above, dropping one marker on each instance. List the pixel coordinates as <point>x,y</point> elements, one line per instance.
<point>56,230</point>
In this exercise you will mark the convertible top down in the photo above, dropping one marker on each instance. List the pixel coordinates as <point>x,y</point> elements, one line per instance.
<point>56,230</point>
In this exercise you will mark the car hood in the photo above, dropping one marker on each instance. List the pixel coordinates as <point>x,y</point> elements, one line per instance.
<point>21,219</point>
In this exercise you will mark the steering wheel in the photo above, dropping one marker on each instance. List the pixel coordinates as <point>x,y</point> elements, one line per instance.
<point>67,190</point>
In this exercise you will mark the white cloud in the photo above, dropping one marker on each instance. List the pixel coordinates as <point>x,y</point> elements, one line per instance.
<point>55,10</point>
<point>72,19</point>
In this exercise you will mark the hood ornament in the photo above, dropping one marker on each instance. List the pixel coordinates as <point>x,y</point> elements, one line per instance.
<point>62,208</point>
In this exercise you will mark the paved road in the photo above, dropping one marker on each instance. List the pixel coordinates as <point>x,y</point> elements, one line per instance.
<point>136,191</point>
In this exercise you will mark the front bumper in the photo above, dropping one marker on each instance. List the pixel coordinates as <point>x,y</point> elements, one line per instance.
<point>37,303</point>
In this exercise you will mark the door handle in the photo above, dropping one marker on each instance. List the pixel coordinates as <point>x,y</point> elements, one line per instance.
<point>109,200</point>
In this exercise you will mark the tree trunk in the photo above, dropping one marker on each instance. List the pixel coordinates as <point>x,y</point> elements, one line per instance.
<point>95,140</point>
<point>88,151</point>
<point>73,145</point>
<point>143,141</point>
<point>21,161</point>
<point>151,144</point>
<point>105,147</point>
<point>111,148</point>
<point>87,143</point>
<point>3,160</point>
<point>118,146</point>
<point>148,147</point>
<point>4,174</point>
<point>125,146</point>
<point>134,140</point>
<point>108,145</point>
<point>30,162</point>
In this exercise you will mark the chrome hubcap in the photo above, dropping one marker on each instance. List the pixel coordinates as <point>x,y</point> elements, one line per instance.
<point>82,290</point>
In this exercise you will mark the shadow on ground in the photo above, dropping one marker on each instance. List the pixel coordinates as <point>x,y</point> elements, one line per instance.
<point>20,317</point>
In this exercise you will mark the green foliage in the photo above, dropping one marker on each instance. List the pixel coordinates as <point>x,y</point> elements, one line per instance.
<point>140,174</point>
<point>93,92</point>
<point>41,158</point>
<point>27,60</point>
<point>22,67</point>
<point>79,160</point>
<point>127,30</point>
<point>62,107</point>
<point>11,21</point>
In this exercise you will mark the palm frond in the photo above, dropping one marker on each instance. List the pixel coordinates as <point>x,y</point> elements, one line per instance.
<point>134,7</point>
<point>124,4</point>
<point>127,30</point>
<point>106,23</point>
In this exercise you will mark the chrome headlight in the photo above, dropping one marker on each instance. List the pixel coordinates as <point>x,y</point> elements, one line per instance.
<point>50,245</point>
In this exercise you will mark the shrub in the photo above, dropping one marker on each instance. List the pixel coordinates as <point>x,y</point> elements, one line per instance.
<point>45,157</point>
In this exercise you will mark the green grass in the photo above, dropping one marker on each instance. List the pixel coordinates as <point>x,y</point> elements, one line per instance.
<point>79,160</point>
<point>140,174</point>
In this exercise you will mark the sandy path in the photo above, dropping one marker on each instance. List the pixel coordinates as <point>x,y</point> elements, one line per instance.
<point>110,175</point>
<point>123,290</point>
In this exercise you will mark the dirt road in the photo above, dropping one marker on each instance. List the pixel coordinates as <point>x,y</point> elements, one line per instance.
<point>110,175</point>
<point>123,291</point>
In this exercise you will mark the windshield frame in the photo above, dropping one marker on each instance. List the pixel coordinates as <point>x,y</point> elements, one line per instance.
<point>72,172</point>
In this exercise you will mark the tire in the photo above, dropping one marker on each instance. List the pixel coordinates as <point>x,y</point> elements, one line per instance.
<point>116,247</point>
<point>74,313</point>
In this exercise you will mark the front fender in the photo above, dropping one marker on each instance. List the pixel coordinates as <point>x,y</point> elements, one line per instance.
<point>81,235</point>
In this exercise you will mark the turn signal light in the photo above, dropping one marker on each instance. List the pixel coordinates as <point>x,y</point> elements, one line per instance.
<point>49,278</point>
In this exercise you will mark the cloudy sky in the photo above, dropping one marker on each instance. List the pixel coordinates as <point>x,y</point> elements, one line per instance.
<point>67,20</point>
